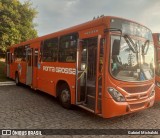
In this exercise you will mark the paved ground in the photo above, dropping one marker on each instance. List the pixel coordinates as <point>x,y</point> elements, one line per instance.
<point>21,107</point>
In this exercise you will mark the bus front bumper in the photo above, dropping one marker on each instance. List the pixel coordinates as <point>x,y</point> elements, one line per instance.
<point>157,94</point>
<point>122,108</point>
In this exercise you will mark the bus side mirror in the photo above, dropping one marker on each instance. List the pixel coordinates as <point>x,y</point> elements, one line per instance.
<point>116,47</point>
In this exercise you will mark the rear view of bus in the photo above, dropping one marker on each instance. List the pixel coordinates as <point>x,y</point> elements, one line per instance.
<point>156,38</point>
<point>129,68</point>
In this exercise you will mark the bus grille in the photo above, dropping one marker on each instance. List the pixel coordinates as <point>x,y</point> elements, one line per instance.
<point>136,97</point>
<point>137,89</point>
<point>136,106</point>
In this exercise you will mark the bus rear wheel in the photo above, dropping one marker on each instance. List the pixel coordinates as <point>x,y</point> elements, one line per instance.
<point>17,79</point>
<point>65,96</point>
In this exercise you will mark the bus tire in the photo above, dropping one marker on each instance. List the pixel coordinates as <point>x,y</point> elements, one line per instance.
<point>17,79</point>
<point>65,96</point>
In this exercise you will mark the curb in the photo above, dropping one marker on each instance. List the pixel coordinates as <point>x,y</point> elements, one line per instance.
<point>7,83</point>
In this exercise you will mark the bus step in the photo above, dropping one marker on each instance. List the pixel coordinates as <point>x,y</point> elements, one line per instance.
<point>90,102</point>
<point>86,108</point>
<point>80,103</point>
<point>92,91</point>
<point>90,96</point>
<point>99,115</point>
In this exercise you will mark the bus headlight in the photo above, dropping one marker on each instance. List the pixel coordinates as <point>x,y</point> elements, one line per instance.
<point>152,93</point>
<point>117,96</point>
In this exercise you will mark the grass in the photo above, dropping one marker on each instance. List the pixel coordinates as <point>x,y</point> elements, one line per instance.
<point>2,71</point>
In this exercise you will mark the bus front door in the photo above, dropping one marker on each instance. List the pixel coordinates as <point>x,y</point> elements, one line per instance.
<point>29,70</point>
<point>88,90</point>
<point>8,61</point>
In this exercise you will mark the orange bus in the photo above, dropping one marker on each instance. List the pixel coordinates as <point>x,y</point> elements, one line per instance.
<point>105,66</point>
<point>156,38</point>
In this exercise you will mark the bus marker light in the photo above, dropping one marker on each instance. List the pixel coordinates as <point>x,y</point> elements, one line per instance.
<point>73,87</point>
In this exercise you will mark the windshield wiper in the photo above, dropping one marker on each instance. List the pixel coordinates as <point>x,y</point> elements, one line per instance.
<point>144,48</point>
<point>130,43</point>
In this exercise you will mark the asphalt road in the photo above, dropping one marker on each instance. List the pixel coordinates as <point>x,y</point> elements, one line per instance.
<point>24,108</point>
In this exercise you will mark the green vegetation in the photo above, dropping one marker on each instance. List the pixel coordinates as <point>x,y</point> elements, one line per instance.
<point>16,22</point>
<point>2,72</point>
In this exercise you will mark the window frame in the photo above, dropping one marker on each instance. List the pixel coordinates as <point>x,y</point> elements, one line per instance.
<point>53,47</point>
<point>20,53</point>
<point>68,48</point>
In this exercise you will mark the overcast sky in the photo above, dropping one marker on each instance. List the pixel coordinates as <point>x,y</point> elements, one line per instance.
<point>55,15</point>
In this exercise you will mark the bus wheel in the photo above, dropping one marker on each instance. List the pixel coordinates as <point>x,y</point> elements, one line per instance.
<point>17,79</point>
<point>65,96</point>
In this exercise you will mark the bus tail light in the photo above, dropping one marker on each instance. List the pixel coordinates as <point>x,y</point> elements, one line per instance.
<point>117,96</point>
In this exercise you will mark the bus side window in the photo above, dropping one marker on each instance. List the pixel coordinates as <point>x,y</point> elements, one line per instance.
<point>19,54</point>
<point>49,50</point>
<point>68,48</point>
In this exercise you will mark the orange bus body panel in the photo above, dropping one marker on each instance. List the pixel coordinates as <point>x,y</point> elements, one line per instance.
<point>157,78</point>
<point>46,75</point>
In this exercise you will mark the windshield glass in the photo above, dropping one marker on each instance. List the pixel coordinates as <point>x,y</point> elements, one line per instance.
<point>158,61</point>
<point>131,28</point>
<point>134,61</point>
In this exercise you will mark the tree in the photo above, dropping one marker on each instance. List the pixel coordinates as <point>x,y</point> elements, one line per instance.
<point>16,22</point>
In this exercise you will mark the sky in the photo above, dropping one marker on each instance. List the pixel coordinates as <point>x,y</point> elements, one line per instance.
<point>55,15</point>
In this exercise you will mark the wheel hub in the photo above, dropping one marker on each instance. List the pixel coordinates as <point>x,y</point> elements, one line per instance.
<point>65,95</point>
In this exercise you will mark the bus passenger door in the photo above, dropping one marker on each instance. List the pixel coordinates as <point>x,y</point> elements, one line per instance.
<point>35,67</point>
<point>89,80</point>
<point>8,62</point>
<point>29,60</point>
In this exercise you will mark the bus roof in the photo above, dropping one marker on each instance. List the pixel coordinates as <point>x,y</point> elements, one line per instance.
<point>93,23</point>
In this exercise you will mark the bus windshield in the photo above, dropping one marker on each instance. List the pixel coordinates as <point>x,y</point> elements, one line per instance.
<point>158,57</point>
<point>134,61</point>
<point>131,28</point>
